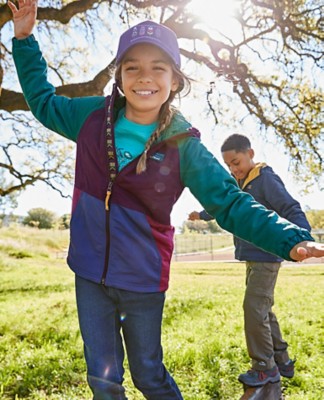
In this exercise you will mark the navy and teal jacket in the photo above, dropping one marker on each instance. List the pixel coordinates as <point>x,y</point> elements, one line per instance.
<point>267,188</point>
<point>130,245</point>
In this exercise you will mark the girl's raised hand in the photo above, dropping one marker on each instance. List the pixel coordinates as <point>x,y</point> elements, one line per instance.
<point>24,17</point>
<point>305,250</point>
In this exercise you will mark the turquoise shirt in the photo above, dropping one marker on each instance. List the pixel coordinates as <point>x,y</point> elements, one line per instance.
<point>130,138</point>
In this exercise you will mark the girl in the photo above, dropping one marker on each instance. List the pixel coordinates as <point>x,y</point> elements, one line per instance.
<point>135,155</point>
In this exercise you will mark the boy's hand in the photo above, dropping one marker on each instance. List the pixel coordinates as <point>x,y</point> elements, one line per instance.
<point>193,216</point>
<point>306,249</point>
<point>24,17</point>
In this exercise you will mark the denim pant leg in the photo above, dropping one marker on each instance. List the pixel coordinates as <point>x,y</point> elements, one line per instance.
<point>260,322</point>
<point>142,318</point>
<point>100,329</point>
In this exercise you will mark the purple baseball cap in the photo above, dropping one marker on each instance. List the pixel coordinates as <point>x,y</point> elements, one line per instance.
<point>152,33</point>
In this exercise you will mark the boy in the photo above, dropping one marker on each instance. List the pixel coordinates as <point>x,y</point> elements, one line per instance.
<point>266,347</point>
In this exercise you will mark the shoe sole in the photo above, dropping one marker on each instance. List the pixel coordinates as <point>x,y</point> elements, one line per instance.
<point>289,376</point>
<point>257,384</point>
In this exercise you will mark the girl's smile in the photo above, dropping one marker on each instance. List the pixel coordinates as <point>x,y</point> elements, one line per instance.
<point>145,92</point>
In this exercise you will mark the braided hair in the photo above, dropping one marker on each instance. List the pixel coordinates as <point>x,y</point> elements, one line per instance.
<point>166,114</point>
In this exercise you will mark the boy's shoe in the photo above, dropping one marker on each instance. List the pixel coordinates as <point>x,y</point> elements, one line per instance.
<point>260,378</point>
<point>288,369</point>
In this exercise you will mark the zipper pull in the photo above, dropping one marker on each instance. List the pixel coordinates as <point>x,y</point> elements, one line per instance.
<point>107,199</point>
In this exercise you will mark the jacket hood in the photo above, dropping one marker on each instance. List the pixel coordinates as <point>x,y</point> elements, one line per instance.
<point>254,173</point>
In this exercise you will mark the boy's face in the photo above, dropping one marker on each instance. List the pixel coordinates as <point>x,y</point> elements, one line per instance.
<point>239,163</point>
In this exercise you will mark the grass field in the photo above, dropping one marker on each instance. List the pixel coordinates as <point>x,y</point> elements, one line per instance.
<point>41,349</point>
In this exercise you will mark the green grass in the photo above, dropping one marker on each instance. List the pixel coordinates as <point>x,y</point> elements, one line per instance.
<point>41,349</point>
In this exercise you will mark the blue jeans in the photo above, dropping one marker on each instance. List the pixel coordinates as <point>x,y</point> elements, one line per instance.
<point>104,312</point>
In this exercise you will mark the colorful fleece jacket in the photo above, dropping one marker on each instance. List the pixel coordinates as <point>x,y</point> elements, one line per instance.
<point>130,246</point>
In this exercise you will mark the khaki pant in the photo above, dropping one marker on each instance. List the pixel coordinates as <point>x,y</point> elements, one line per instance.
<point>265,344</point>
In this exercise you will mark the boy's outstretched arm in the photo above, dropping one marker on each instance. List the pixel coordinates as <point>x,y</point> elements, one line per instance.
<point>24,17</point>
<point>304,250</point>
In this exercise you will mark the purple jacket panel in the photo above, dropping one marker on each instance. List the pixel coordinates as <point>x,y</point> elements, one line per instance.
<point>155,191</point>
<point>91,175</point>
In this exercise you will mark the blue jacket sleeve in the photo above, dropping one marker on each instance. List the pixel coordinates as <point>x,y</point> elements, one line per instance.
<point>277,198</point>
<point>234,210</point>
<point>205,216</point>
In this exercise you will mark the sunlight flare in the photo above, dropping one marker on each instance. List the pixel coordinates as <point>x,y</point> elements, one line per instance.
<point>217,16</point>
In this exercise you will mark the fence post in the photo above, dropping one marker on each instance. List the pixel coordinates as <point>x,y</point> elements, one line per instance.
<point>211,247</point>
<point>175,252</point>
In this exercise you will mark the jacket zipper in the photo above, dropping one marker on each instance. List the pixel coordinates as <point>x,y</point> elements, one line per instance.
<point>107,251</point>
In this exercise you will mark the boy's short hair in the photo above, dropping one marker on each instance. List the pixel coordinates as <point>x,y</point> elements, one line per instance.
<point>236,142</point>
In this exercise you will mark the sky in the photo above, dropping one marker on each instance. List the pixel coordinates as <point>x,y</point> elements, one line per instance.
<point>216,17</point>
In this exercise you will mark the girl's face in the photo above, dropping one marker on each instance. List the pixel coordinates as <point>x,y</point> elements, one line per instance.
<point>239,163</point>
<point>147,79</point>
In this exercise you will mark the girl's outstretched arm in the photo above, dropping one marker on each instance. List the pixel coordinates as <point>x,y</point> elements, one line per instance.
<point>304,250</point>
<point>24,17</point>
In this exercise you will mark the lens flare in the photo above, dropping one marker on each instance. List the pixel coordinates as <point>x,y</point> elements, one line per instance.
<point>122,316</point>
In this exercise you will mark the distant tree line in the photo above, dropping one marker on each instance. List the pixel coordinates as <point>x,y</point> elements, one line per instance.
<point>200,226</point>
<point>315,218</point>
<point>41,218</point>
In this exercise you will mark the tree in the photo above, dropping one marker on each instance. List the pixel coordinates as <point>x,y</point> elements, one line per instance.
<point>40,218</point>
<point>316,218</point>
<point>270,73</point>
<point>9,202</point>
<point>200,226</point>
<point>64,221</point>
<point>213,227</point>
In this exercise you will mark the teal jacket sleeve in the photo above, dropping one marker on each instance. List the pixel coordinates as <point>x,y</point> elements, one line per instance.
<point>58,113</point>
<point>234,210</point>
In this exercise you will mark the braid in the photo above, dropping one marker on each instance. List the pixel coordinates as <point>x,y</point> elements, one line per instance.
<point>166,115</point>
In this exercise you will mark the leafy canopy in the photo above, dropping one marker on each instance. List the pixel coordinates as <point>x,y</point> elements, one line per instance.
<point>267,68</point>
